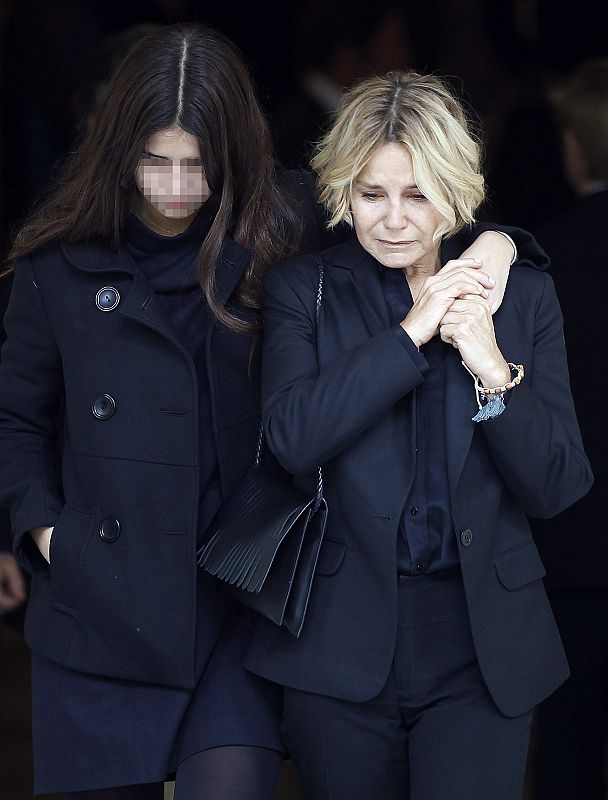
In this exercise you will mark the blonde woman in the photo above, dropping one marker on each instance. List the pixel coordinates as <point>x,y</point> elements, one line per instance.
<point>429,638</point>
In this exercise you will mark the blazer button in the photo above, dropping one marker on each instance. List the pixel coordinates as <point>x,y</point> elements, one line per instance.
<point>109,530</point>
<point>107,298</point>
<point>104,407</point>
<point>466,537</point>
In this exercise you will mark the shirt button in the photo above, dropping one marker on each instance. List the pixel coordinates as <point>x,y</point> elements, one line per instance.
<point>419,568</point>
<point>414,510</point>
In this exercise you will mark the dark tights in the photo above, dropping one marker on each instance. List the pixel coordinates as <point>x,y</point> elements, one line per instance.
<point>222,773</point>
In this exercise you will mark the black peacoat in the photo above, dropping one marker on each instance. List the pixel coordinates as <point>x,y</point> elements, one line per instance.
<point>121,485</point>
<point>331,397</point>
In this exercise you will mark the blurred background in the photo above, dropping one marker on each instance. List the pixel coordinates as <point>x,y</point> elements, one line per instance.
<point>505,58</point>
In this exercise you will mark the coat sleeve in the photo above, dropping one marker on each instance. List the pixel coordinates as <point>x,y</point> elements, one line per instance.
<point>31,385</point>
<point>536,443</point>
<point>311,415</point>
<point>529,252</point>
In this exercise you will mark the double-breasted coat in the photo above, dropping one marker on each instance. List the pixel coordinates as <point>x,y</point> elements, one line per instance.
<point>331,396</point>
<point>98,436</point>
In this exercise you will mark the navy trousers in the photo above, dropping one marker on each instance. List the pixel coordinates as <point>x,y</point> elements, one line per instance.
<point>433,732</point>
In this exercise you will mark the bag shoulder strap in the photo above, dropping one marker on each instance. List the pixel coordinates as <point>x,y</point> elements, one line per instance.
<point>261,437</point>
<point>321,267</point>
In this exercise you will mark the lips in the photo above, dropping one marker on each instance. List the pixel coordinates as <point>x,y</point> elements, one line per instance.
<point>387,243</point>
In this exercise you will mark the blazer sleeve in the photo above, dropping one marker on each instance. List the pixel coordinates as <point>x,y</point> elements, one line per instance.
<point>536,443</point>
<point>310,414</point>
<point>31,385</point>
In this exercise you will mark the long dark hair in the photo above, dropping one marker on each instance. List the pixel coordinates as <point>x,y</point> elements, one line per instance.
<point>188,76</point>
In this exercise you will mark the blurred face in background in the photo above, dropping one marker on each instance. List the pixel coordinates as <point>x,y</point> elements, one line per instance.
<point>170,174</point>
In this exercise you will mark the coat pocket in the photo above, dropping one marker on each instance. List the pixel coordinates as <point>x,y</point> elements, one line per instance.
<point>520,567</point>
<point>331,556</point>
<point>70,534</point>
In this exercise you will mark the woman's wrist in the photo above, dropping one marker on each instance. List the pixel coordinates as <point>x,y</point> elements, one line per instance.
<point>498,246</point>
<point>411,332</point>
<point>497,375</point>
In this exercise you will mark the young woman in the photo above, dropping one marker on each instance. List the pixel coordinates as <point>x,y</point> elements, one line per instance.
<point>129,406</point>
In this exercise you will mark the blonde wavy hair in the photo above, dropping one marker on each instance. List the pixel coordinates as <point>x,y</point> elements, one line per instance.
<point>421,112</point>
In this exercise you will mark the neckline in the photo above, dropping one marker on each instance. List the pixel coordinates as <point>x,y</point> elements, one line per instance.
<point>144,238</point>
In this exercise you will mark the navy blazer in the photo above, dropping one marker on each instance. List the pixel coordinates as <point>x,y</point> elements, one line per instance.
<point>331,398</point>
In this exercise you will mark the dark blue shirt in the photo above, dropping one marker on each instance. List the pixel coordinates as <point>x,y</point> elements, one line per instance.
<point>426,541</point>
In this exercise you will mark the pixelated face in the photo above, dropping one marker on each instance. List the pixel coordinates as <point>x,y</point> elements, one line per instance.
<point>170,173</point>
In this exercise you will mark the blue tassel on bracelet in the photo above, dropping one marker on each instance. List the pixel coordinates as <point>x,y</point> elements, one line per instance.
<point>493,407</point>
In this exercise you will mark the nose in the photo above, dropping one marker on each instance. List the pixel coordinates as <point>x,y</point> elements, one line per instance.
<point>176,181</point>
<point>395,218</point>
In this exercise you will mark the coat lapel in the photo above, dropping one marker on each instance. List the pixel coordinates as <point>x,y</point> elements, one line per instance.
<point>230,268</point>
<point>93,257</point>
<point>140,303</point>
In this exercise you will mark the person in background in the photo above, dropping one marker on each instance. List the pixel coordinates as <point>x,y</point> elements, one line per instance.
<point>573,723</point>
<point>428,638</point>
<point>129,406</point>
<point>337,45</point>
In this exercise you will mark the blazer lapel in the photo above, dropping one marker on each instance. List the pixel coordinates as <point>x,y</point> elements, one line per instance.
<point>460,408</point>
<point>361,275</point>
<point>460,405</point>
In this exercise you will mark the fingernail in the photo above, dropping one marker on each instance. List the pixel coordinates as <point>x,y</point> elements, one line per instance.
<point>492,281</point>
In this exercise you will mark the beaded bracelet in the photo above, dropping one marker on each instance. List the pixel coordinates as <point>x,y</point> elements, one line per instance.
<point>494,404</point>
<point>519,368</point>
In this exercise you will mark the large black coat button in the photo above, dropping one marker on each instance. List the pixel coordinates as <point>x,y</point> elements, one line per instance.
<point>107,298</point>
<point>466,537</point>
<point>109,530</point>
<point>103,407</point>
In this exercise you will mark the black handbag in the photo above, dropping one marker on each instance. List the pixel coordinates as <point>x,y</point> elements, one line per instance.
<point>264,541</point>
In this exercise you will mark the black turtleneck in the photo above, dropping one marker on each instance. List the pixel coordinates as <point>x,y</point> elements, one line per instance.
<point>168,263</point>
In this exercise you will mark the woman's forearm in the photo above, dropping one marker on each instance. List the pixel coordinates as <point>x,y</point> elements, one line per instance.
<point>496,252</point>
